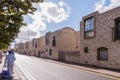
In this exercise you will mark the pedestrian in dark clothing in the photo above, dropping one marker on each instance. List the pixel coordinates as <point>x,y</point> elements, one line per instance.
<point>9,61</point>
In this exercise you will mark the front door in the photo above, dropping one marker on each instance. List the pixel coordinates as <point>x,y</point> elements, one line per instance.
<point>61,56</point>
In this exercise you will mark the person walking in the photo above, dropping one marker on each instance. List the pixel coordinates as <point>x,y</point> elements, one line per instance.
<point>9,61</point>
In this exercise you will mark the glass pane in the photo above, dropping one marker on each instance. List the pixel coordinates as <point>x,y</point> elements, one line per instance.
<point>88,27</point>
<point>103,54</point>
<point>100,55</point>
<point>92,33</point>
<point>89,34</point>
<point>89,24</point>
<point>119,26</point>
<point>92,20</point>
<point>86,22</point>
<point>85,28</point>
<point>118,30</point>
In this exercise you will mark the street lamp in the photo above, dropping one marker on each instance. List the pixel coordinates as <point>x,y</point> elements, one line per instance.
<point>28,33</point>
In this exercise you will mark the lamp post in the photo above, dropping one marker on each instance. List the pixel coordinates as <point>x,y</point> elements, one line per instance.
<point>28,33</point>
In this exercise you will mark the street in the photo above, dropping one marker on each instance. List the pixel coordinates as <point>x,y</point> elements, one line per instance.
<point>42,69</point>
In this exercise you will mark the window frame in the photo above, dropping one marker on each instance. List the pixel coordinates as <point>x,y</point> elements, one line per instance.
<point>36,45</point>
<point>99,55</point>
<point>86,50</point>
<point>116,29</point>
<point>46,50</point>
<point>47,39</point>
<point>50,52</point>
<point>91,31</point>
<point>54,41</point>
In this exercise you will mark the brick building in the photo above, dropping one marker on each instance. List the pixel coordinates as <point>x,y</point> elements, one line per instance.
<point>40,44</point>
<point>21,48</point>
<point>34,47</point>
<point>29,48</point>
<point>63,45</point>
<point>100,39</point>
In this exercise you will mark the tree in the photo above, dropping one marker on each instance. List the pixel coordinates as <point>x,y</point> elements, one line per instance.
<point>3,46</point>
<point>11,18</point>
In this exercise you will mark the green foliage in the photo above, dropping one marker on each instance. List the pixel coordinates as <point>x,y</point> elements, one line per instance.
<point>11,18</point>
<point>37,1</point>
<point>3,46</point>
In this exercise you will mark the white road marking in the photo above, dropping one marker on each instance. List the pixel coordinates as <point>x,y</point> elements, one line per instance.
<point>20,73</point>
<point>25,72</point>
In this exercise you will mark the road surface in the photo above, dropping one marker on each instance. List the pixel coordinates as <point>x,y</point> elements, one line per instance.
<point>43,69</point>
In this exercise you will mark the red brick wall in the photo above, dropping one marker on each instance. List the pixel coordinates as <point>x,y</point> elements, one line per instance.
<point>104,23</point>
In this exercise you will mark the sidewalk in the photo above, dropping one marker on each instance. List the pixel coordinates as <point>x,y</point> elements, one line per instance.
<point>15,74</point>
<point>111,73</point>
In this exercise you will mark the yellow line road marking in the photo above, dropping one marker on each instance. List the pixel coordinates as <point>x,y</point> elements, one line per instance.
<point>96,73</point>
<point>85,70</point>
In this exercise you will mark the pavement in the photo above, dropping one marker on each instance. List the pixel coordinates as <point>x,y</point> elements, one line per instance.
<point>16,75</point>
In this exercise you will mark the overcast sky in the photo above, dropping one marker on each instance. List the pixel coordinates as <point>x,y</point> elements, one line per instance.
<point>52,15</point>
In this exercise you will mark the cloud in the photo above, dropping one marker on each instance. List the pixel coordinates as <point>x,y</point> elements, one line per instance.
<point>47,12</point>
<point>26,34</point>
<point>56,12</point>
<point>100,6</point>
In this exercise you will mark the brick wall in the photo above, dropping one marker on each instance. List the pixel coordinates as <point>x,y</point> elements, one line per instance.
<point>104,23</point>
<point>70,56</point>
<point>67,39</point>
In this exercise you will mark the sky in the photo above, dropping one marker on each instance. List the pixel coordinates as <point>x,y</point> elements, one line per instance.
<point>52,15</point>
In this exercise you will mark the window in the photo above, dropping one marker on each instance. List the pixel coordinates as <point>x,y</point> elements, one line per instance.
<point>89,27</point>
<point>86,49</point>
<point>47,39</point>
<point>54,41</point>
<point>33,43</point>
<point>102,53</point>
<point>117,29</point>
<point>50,51</point>
<point>46,50</point>
<point>36,45</point>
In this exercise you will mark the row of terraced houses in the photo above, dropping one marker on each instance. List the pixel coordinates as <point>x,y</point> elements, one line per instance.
<point>97,43</point>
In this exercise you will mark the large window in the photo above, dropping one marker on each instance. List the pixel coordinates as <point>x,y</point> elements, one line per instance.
<point>36,45</point>
<point>33,43</point>
<point>47,39</point>
<point>117,29</point>
<point>50,52</point>
<point>102,53</point>
<point>89,27</point>
<point>54,41</point>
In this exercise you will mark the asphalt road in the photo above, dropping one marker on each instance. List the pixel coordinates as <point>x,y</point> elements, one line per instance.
<point>39,69</point>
